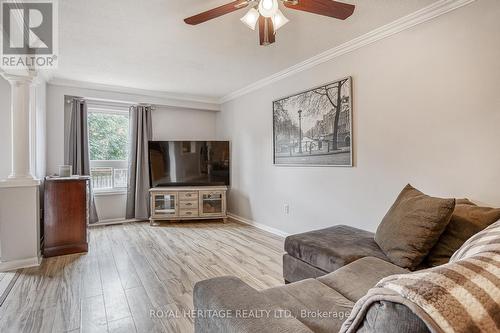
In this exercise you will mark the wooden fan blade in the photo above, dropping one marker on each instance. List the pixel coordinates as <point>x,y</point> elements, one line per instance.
<point>266,31</point>
<point>270,31</point>
<point>216,12</point>
<point>329,8</point>
<point>262,29</point>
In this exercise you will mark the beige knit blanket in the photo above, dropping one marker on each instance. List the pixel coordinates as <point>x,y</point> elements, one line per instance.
<point>462,296</point>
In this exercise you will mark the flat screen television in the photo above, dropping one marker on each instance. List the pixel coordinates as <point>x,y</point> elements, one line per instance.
<point>188,163</point>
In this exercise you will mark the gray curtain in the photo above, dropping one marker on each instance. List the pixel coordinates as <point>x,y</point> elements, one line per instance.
<point>138,169</point>
<point>78,148</point>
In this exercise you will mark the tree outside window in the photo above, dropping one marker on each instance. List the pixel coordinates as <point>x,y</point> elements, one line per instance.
<point>108,149</point>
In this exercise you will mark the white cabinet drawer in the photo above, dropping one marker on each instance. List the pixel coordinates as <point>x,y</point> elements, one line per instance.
<point>188,195</point>
<point>188,212</point>
<point>188,204</point>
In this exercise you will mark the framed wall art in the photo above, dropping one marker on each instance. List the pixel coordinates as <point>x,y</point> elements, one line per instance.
<point>314,127</point>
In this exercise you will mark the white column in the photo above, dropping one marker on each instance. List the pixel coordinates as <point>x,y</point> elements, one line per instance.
<point>19,196</point>
<point>20,126</point>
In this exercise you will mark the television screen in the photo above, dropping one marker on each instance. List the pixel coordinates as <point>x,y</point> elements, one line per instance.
<point>188,163</point>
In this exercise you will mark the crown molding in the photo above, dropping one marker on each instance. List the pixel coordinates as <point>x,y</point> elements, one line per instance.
<point>45,75</point>
<point>425,14</point>
<point>183,100</point>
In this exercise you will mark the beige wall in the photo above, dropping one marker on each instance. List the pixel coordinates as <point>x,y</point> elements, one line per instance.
<point>426,111</point>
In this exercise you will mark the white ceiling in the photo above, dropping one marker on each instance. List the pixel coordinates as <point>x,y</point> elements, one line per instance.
<point>146,44</point>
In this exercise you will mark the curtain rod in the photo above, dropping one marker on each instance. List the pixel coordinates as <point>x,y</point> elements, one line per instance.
<point>109,102</point>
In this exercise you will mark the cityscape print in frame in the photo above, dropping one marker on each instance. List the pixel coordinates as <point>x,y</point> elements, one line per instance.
<point>314,128</point>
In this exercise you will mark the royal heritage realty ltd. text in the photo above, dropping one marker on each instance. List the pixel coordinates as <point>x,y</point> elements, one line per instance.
<point>247,314</point>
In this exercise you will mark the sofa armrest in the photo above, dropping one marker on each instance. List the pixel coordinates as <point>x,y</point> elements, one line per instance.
<point>227,304</point>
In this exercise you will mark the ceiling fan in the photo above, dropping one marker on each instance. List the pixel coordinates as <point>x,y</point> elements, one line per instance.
<point>268,16</point>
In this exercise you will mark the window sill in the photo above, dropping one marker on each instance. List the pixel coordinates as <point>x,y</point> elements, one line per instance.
<point>110,192</point>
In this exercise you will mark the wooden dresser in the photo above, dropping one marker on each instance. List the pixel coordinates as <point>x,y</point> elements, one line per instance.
<point>66,203</point>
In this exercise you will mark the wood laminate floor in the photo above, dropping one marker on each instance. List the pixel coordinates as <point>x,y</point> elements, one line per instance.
<point>132,269</point>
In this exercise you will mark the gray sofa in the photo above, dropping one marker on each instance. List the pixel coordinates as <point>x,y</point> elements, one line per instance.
<point>316,253</point>
<point>327,271</point>
<point>330,270</point>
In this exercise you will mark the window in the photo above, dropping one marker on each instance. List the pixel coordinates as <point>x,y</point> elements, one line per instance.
<point>108,149</point>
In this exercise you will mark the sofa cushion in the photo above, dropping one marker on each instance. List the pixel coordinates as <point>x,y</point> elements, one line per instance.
<point>412,226</point>
<point>388,317</point>
<point>227,304</point>
<point>331,248</point>
<point>467,220</point>
<point>295,269</point>
<point>317,306</point>
<point>354,280</point>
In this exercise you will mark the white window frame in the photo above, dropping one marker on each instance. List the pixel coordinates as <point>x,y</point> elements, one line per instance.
<point>118,164</point>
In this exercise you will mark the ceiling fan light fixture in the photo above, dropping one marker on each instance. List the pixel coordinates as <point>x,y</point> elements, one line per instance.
<point>279,20</point>
<point>268,8</point>
<point>267,15</point>
<point>250,19</point>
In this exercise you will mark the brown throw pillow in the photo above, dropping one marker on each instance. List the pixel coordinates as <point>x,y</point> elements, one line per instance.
<point>466,221</point>
<point>412,226</point>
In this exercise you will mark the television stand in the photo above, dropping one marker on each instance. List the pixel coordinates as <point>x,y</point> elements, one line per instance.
<point>183,203</point>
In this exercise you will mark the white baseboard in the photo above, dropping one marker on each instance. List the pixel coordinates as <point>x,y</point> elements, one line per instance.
<point>17,264</point>
<point>261,226</point>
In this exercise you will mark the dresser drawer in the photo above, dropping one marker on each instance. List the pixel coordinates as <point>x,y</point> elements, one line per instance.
<point>188,204</point>
<point>188,212</point>
<point>188,195</point>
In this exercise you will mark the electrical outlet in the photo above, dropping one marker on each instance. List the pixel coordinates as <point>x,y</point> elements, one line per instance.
<point>286,209</point>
